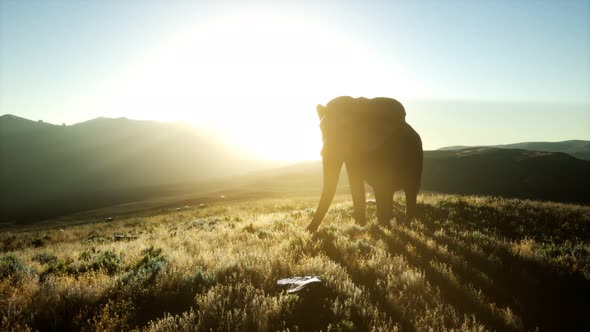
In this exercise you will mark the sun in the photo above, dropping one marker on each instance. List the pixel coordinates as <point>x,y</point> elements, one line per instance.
<point>255,76</point>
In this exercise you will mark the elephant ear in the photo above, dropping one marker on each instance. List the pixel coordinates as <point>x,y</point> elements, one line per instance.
<point>322,110</point>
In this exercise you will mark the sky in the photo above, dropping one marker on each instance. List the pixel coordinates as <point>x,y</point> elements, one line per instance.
<point>468,72</point>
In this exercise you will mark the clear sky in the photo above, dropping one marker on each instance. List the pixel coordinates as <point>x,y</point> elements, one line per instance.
<point>469,72</point>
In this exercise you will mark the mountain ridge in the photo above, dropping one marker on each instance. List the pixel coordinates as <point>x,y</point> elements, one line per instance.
<point>49,168</point>
<point>577,148</point>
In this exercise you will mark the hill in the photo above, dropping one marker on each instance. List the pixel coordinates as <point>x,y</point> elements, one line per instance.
<point>465,264</point>
<point>510,173</point>
<point>473,171</point>
<point>48,169</point>
<point>577,148</point>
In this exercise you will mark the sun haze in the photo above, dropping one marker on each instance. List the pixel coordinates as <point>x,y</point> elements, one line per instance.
<point>253,74</point>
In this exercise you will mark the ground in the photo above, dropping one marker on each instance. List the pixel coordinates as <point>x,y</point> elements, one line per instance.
<point>465,263</point>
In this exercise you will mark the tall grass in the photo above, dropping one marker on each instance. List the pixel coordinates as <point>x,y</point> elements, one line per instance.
<point>465,263</point>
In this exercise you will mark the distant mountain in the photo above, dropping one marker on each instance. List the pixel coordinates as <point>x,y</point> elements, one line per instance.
<point>457,147</point>
<point>577,148</point>
<point>49,169</point>
<point>13,125</point>
<point>513,173</point>
<point>554,176</point>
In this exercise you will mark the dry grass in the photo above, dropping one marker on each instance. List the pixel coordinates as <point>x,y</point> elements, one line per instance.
<point>466,263</point>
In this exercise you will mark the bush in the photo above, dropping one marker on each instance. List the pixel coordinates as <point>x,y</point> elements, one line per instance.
<point>107,261</point>
<point>38,243</point>
<point>153,263</point>
<point>112,316</point>
<point>9,265</point>
<point>362,247</point>
<point>89,260</point>
<point>238,305</point>
<point>44,258</point>
<point>57,266</point>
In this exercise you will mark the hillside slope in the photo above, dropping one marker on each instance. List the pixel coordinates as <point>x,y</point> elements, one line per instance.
<point>464,264</point>
<point>510,173</point>
<point>48,169</point>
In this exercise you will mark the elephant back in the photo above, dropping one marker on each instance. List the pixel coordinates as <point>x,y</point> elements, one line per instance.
<point>387,108</point>
<point>364,109</point>
<point>367,123</point>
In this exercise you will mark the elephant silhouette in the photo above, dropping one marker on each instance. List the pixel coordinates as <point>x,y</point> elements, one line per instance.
<point>371,137</point>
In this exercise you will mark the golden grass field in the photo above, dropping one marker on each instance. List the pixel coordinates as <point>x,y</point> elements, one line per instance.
<point>464,264</point>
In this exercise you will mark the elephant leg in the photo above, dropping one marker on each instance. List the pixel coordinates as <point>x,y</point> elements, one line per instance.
<point>411,195</point>
<point>357,190</point>
<point>384,200</point>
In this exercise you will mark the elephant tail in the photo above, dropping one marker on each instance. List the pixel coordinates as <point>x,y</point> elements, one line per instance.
<point>420,161</point>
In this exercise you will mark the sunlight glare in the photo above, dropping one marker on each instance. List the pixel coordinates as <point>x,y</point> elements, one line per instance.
<point>255,77</point>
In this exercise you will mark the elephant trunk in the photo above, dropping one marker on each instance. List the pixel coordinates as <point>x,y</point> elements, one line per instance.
<point>331,175</point>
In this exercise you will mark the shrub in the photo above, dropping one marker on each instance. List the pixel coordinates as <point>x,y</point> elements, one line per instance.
<point>57,267</point>
<point>152,263</point>
<point>37,243</point>
<point>44,258</point>
<point>89,260</point>
<point>250,228</point>
<point>207,224</point>
<point>95,260</point>
<point>9,265</point>
<point>362,247</point>
<point>238,305</point>
<point>112,316</point>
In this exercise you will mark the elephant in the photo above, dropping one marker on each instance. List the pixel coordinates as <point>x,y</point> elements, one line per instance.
<point>373,140</point>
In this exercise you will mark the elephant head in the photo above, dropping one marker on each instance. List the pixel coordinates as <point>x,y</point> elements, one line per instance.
<point>351,129</point>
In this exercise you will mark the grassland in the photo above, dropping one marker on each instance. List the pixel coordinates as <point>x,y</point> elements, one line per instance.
<point>465,263</point>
